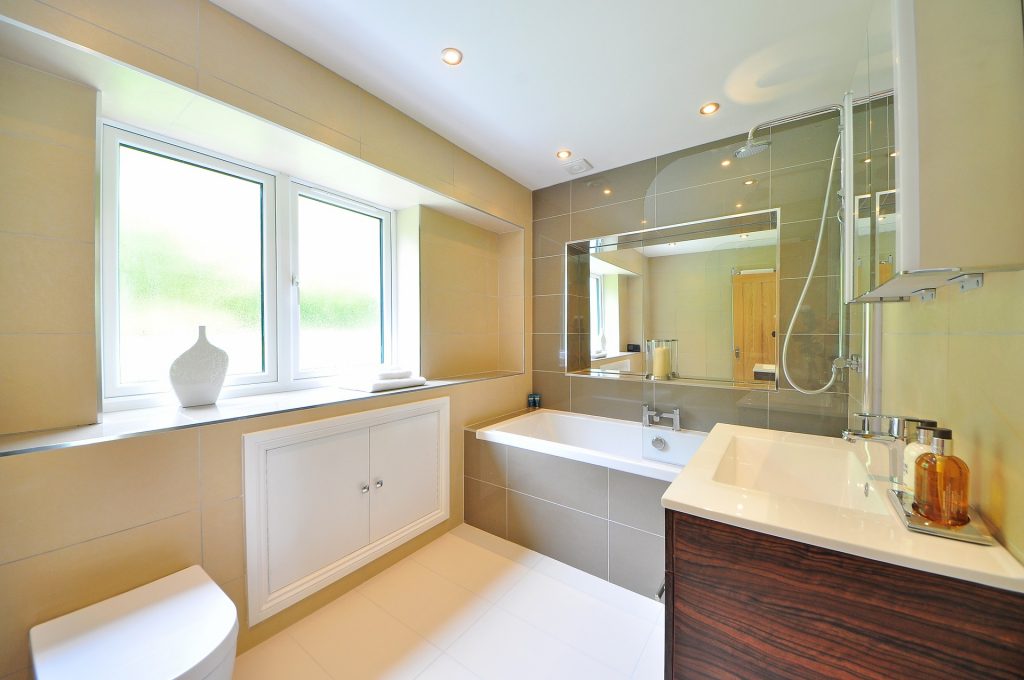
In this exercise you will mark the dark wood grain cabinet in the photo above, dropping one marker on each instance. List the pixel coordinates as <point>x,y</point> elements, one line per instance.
<point>742,604</point>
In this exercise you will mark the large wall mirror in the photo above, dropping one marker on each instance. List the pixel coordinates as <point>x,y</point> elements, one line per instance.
<point>692,302</point>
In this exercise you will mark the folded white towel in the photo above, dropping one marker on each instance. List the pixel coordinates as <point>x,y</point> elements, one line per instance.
<point>383,385</point>
<point>393,373</point>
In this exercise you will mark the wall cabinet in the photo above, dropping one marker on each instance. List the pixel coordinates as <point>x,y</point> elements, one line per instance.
<point>748,605</point>
<point>959,103</point>
<point>327,497</point>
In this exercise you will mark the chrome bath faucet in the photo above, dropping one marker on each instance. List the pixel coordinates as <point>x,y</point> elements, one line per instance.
<point>651,417</point>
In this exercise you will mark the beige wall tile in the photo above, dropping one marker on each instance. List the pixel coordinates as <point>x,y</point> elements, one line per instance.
<point>167,26</point>
<point>47,284</point>
<point>36,171</point>
<point>511,313</point>
<point>282,115</point>
<point>996,308</point>
<point>223,543</point>
<point>46,107</point>
<point>95,36</point>
<point>394,141</point>
<point>47,381</point>
<point>58,498</point>
<point>488,187</point>
<point>235,52</point>
<point>511,352</point>
<point>52,584</point>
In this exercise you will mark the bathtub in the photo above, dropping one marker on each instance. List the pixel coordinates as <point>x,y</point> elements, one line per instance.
<point>616,444</point>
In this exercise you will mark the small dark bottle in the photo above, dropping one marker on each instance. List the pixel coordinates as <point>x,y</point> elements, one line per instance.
<point>941,483</point>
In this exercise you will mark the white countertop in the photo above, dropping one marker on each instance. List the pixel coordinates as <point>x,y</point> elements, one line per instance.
<point>873,535</point>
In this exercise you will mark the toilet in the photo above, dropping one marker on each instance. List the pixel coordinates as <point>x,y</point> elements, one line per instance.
<point>182,626</point>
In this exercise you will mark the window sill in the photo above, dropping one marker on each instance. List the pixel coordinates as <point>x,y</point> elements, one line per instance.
<point>143,421</point>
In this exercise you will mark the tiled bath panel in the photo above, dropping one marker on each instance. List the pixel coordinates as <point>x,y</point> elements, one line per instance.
<point>605,522</point>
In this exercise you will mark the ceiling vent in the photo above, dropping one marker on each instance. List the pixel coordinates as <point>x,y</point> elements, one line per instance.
<point>578,166</point>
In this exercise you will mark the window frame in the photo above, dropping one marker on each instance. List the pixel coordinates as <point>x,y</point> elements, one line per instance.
<point>279,261</point>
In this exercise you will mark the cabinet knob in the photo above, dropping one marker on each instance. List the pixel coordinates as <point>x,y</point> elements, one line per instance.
<point>380,483</point>
<point>366,488</point>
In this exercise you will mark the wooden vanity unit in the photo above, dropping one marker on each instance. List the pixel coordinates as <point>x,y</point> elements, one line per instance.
<point>744,604</point>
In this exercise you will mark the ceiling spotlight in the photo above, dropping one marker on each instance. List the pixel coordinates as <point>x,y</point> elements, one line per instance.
<point>709,109</point>
<point>867,160</point>
<point>451,56</point>
<point>726,163</point>
<point>739,205</point>
<point>750,182</point>
<point>892,155</point>
<point>643,221</point>
<point>607,192</point>
<point>563,154</point>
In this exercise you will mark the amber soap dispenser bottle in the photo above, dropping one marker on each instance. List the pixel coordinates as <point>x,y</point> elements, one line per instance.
<point>941,482</point>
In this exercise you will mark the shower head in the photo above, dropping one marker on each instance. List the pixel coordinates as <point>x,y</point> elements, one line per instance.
<point>750,148</point>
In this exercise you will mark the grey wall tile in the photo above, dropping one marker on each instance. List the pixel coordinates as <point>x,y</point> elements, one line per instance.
<point>551,201</point>
<point>824,414</point>
<point>485,461</point>
<point>575,538</point>
<point>797,241</point>
<point>568,482</point>
<point>608,397</point>
<point>809,362</point>
<point>703,165</point>
<point>702,408</point>
<point>549,352</point>
<point>821,308</point>
<point>550,236</point>
<point>548,313</point>
<point>713,200</point>
<point>549,275</point>
<point>486,506</point>
<point>636,501</point>
<point>799,191</point>
<point>617,218</point>
<point>626,182</point>
<point>802,142</point>
<point>553,388</point>
<point>636,560</point>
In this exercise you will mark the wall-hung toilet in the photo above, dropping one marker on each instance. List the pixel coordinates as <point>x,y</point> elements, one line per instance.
<point>180,627</point>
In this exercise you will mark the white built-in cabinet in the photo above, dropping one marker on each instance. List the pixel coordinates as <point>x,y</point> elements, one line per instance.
<point>326,497</point>
<point>959,157</point>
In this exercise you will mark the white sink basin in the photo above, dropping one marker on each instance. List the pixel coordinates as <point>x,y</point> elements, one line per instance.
<point>831,476</point>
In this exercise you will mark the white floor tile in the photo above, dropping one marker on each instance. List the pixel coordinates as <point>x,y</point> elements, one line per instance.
<point>496,544</point>
<point>425,601</point>
<point>353,638</point>
<point>446,668</point>
<point>466,564</point>
<point>652,662</point>
<point>601,631</point>
<point>279,657</point>
<point>632,603</point>
<point>501,646</point>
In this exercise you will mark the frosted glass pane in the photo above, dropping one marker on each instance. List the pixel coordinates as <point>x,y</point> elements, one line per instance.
<point>340,287</point>
<point>189,254</point>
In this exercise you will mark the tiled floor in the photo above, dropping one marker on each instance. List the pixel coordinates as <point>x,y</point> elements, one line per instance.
<point>470,605</point>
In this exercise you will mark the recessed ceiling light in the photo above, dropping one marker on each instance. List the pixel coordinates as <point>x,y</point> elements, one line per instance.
<point>739,205</point>
<point>750,182</point>
<point>563,154</point>
<point>892,155</point>
<point>451,56</point>
<point>607,192</point>
<point>643,221</point>
<point>726,163</point>
<point>867,160</point>
<point>710,108</point>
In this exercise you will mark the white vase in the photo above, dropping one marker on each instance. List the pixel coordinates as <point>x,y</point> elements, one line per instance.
<point>198,374</point>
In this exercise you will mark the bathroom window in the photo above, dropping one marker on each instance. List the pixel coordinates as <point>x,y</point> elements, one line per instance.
<point>291,280</point>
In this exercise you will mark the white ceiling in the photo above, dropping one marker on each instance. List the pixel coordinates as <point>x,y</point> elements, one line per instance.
<point>615,81</point>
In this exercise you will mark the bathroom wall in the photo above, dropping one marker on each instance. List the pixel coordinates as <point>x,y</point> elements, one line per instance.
<point>82,524</point>
<point>85,523</point>
<point>688,185</point>
<point>196,44</point>
<point>959,359</point>
<point>471,298</point>
<point>47,324</point>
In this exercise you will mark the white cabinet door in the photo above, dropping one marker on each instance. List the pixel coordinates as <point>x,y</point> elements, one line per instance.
<point>404,469</point>
<point>317,511</point>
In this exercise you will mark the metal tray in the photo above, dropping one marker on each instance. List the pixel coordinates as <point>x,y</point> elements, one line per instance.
<point>974,531</point>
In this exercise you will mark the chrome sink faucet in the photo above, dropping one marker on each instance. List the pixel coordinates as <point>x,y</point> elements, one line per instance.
<point>894,431</point>
<point>650,417</point>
